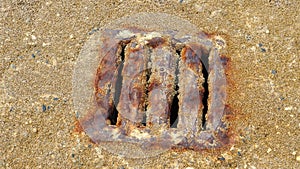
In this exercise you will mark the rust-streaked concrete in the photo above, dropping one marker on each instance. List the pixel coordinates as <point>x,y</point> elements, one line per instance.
<point>39,44</point>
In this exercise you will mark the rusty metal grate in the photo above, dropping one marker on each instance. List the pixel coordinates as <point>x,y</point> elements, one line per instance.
<point>155,89</point>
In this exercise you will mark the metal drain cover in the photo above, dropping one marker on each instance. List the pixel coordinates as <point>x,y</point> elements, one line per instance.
<point>150,82</point>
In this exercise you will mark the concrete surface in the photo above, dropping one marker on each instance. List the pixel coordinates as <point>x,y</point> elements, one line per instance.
<point>39,44</point>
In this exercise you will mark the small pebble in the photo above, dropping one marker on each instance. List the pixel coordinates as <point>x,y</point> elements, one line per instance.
<point>93,31</point>
<point>55,98</point>
<point>33,37</point>
<point>32,55</point>
<point>44,108</point>
<point>221,158</point>
<point>248,37</point>
<point>263,50</point>
<point>274,72</point>
<point>227,156</point>
<point>34,130</point>
<point>13,66</point>
<point>108,122</point>
<point>288,108</point>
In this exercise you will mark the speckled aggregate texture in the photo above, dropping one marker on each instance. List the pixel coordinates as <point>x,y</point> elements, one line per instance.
<point>41,40</point>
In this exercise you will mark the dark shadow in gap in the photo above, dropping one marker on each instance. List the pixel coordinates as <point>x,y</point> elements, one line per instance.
<point>175,103</point>
<point>205,68</point>
<point>113,113</point>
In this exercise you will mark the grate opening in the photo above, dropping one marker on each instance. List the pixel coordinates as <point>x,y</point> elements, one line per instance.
<point>113,114</point>
<point>175,102</point>
<point>144,120</point>
<point>148,74</point>
<point>174,111</point>
<point>205,68</point>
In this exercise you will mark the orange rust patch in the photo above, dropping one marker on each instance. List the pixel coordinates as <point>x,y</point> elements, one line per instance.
<point>77,127</point>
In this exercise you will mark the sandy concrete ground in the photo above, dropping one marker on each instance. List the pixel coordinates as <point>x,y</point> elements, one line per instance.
<point>39,44</point>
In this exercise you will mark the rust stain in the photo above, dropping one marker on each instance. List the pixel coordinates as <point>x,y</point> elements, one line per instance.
<point>77,127</point>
